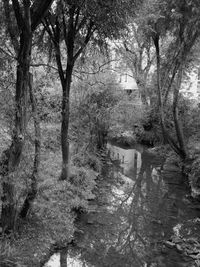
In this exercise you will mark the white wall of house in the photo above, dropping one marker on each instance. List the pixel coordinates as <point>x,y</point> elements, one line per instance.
<point>127,81</point>
<point>190,87</point>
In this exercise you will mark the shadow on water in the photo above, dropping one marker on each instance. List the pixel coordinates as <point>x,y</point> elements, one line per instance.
<point>146,217</point>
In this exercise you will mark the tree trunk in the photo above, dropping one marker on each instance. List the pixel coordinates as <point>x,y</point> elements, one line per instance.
<point>12,156</point>
<point>143,93</point>
<point>180,147</point>
<point>160,101</point>
<point>178,128</point>
<point>65,123</point>
<point>27,19</point>
<point>8,213</point>
<point>34,177</point>
<point>63,257</point>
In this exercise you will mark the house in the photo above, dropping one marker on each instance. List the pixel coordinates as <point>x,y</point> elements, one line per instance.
<point>190,87</point>
<point>128,84</point>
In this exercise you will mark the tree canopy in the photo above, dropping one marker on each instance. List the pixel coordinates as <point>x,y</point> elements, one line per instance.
<point>66,117</point>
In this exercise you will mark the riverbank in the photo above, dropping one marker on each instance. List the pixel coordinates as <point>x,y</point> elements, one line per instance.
<point>143,168</point>
<point>51,220</point>
<point>190,168</point>
<point>193,167</point>
<point>131,138</point>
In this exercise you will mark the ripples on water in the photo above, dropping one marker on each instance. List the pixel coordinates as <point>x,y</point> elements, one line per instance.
<point>147,219</point>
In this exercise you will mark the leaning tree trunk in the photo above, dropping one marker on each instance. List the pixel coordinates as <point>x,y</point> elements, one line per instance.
<point>32,192</point>
<point>65,123</point>
<point>160,102</point>
<point>177,122</point>
<point>12,156</point>
<point>28,15</point>
<point>178,148</point>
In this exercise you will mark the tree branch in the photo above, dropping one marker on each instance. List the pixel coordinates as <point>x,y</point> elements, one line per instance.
<point>18,14</point>
<point>6,53</point>
<point>53,34</point>
<point>43,65</point>
<point>87,39</point>
<point>38,11</point>
<point>10,28</point>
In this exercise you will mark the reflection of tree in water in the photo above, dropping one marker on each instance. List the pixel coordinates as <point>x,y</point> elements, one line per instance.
<point>131,231</point>
<point>142,208</point>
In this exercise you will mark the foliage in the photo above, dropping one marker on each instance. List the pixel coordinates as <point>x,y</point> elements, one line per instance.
<point>189,113</point>
<point>99,109</point>
<point>7,83</point>
<point>93,101</point>
<point>192,168</point>
<point>171,22</point>
<point>151,133</point>
<point>72,26</point>
<point>51,220</point>
<point>50,136</point>
<point>135,52</point>
<point>127,113</point>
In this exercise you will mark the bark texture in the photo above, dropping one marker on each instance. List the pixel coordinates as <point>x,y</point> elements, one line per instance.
<point>27,17</point>
<point>65,124</point>
<point>177,145</point>
<point>13,154</point>
<point>177,121</point>
<point>32,192</point>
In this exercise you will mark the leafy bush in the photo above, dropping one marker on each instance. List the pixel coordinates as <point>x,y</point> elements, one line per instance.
<point>194,175</point>
<point>149,130</point>
<point>7,251</point>
<point>50,134</point>
<point>49,106</point>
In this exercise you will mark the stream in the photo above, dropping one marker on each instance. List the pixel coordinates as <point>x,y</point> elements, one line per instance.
<point>145,217</point>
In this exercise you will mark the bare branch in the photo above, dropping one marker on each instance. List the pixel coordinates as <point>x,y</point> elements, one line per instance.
<point>7,53</point>
<point>43,65</point>
<point>87,39</point>
<point>54,34</point>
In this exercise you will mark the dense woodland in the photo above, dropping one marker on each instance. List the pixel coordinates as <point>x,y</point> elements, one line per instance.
<point>61,101</point>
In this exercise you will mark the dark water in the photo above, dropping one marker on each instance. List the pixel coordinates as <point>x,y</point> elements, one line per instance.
<point>144,217</point>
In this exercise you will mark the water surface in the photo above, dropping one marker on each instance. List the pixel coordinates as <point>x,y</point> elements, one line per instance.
<point>144,217</point>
